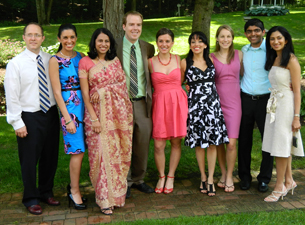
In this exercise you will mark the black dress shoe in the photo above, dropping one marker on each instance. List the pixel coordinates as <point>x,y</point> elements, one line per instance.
<point>50,201</point>
<point>144,188</point>
<point>35,209</point>
<point>262,187</point>
<point>244,185</point>
<point>128,194</point>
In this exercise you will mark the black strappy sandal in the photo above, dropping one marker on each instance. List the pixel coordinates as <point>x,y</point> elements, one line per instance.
<point>211,187</point>
<point>105,210</point>
<point>204,187</point>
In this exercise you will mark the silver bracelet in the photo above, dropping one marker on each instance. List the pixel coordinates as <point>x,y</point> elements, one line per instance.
<point>298,115</point>
<point>68,122</point>
<point>94,120</point>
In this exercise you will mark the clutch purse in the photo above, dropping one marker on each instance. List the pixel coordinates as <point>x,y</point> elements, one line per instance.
<point>294,141</point>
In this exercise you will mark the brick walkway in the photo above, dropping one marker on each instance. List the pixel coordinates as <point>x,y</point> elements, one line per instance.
<point>185,200</point>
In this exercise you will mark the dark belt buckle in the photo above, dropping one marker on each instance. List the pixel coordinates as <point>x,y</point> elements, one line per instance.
<point>255,97</point>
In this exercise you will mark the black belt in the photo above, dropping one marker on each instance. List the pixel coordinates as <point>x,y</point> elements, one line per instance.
<point>201,81</point>
<point>71,89</point>
<point>256,97</point>
<point>136,99</point>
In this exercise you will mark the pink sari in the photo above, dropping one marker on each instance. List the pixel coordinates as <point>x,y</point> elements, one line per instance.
<point>110,151</point>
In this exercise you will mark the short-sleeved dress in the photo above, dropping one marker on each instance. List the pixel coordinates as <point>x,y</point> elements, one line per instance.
<point>228,89</point>
<point>71,93</point>
<point>280,113</point>
<point>169,105</point>
<point>205,123</point>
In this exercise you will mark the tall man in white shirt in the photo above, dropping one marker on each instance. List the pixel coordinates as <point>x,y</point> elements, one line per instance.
<point>32,112</point>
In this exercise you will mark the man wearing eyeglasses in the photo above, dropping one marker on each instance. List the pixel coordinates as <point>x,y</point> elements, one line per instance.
<point>32,112</point>
<point>254,96</point>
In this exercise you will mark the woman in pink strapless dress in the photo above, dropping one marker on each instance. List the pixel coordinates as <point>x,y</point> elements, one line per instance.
<point>227,63</point>
<point>169,108</point>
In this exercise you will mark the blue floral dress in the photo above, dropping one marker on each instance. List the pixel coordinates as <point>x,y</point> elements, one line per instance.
<point>71,93</point>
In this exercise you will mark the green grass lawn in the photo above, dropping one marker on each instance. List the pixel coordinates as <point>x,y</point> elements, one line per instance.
<point>181,27</point>
<point>10,176</point>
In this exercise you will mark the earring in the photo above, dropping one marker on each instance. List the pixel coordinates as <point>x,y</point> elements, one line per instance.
<point>172,50</point>
<point>109,50</point>
<point>94,49</point>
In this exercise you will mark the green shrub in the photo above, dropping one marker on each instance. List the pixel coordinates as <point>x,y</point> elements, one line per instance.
<point>9,49</point>
<point>52,49</point>
<point>268,10</point>
<point>302,112</point>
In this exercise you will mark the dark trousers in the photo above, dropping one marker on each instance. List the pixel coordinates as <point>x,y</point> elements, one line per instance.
<point>40,147</point>
<point>142,128</point>
<point>253,110</point>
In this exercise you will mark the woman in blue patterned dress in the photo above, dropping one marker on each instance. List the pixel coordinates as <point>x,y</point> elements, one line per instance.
<point>63,69</point>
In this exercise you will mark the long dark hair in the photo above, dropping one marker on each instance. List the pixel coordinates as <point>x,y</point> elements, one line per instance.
<point>271,53</point>
<point>67,26</point>
<point>111,53</point>
<point>206,52</point>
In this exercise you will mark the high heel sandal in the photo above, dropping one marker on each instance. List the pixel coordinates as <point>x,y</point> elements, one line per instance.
<point>211,190</point>
<point>293,186</point>
<point>204,187</point>
<point>160,190</point>
<point>169,190</point>
<point>274,198</point>
<point>69,192</point>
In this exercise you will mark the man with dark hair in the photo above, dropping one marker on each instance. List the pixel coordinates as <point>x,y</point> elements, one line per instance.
<point>254,96</point>
<point>133,54</point>
<point>32,112</point>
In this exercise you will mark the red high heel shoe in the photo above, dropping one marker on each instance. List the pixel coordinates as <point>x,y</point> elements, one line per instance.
<point>160,190</point>
<point>169,190</point>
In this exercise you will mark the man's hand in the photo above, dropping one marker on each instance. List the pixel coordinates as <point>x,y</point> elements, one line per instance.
<point>21,132</point>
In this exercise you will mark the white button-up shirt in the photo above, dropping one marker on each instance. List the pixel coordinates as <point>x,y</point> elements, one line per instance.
<point>21,86</point>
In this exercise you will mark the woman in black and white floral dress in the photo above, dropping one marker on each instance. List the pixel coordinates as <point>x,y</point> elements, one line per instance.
<point>205,125</point>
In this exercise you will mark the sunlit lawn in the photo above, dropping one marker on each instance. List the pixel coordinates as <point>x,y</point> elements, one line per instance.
<point>181,27</point>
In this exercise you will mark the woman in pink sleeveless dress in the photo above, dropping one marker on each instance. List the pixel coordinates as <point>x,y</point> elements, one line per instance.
<point>169,108</point>
<point>227,62</point>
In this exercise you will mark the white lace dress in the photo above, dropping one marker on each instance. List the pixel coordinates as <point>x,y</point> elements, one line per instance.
<point>280,112</point>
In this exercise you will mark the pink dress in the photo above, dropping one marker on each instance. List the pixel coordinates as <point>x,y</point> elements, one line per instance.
<point>228,89</point>
<point>169,105</point>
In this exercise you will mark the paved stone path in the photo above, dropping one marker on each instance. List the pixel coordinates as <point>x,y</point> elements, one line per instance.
<point>185,200</point>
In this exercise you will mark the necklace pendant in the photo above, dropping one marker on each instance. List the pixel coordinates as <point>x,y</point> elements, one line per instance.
<point>104,68</point>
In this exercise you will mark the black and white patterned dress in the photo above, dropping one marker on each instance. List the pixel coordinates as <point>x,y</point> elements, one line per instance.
<point>205,123</point>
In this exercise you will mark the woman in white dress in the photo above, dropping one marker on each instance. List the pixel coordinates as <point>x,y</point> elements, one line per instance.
<point>283,109</point>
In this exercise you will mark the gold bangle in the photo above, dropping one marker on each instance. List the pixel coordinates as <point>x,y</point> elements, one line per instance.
<point>94,120</point>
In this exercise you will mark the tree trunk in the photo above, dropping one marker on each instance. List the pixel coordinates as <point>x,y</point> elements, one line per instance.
<point>113,12</point>
<point>202,16</point>
<point>49,11</point>
<point>40,11</point>
<point>133,5</point>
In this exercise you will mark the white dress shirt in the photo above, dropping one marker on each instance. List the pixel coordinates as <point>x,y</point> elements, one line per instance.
<point>21,86</point>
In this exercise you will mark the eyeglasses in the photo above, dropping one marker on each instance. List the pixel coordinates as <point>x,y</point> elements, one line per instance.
<point>255,31</point>
<point>33,35</point>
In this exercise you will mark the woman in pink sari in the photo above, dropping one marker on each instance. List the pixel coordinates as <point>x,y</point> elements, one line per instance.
<point>108,120</point>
